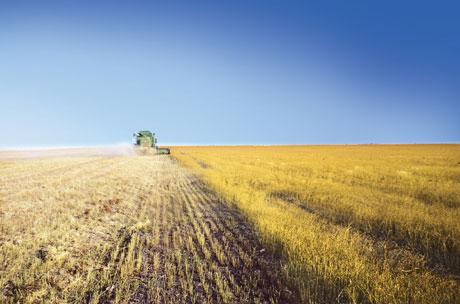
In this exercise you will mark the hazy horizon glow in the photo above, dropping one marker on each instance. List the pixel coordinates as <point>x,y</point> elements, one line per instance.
<point>208,73</point>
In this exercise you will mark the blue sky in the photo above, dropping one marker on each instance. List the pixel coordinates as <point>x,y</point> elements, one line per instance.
<point>76,73</point>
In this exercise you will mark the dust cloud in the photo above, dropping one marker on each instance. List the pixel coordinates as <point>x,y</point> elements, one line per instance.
<point>118,150</point>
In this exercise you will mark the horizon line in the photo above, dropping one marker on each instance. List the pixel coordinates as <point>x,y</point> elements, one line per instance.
<point>59,147</point>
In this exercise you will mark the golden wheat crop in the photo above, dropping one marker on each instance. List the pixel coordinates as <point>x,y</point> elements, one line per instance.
<point>139,229</point>
<point>362,224</point>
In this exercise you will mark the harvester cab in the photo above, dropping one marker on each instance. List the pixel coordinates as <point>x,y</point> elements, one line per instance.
<point>147,140</point>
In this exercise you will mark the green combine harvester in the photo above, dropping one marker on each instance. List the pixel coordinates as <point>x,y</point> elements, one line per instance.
<point>146,140</point>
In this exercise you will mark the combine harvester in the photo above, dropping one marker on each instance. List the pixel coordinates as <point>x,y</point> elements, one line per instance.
<point>146,141</point>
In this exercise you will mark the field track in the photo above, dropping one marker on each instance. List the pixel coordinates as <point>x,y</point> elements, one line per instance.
<point>137,229</point>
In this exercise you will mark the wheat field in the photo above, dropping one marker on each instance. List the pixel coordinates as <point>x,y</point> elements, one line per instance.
<point>125,229</point>
<point>352,224</point>
<point>281,224</point>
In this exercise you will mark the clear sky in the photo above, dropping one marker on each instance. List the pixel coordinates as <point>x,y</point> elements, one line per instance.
<point>76,73</point>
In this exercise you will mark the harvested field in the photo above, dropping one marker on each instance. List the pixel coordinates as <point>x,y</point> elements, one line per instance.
<point>50,153</point>
<point>137,229</point>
